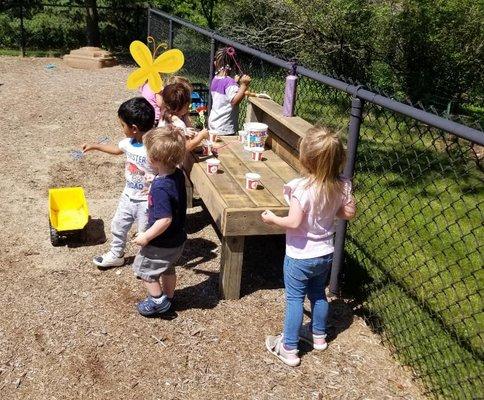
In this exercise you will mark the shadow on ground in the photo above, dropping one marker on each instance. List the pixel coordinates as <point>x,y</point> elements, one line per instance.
<point>92,235</point>
<point>198,220</point>
<point>263,259</point>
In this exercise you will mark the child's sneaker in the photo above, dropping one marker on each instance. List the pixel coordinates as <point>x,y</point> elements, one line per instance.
<point>275,345</point>
<point>150,307</point>
<point>317,341</point>
<point>108,260</point>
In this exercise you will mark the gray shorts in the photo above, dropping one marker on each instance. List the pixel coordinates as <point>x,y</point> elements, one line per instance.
<point>151,262</point>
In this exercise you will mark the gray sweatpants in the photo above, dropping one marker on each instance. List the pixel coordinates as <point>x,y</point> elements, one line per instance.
<point>127,212</point>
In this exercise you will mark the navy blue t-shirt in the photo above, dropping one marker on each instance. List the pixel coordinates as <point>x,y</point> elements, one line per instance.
<point>168,198</point>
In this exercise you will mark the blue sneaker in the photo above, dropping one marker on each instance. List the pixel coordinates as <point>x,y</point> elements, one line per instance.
<point>149,308</point>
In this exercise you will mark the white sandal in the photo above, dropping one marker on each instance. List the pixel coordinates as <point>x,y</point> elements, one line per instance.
<point>275,346</point>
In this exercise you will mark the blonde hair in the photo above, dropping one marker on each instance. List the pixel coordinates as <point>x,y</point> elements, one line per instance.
<point>165,145</point>
<point>322,156</point>
<point>180,79</point>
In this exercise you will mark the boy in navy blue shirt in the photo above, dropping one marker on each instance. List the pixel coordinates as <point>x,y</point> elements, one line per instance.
<point>163,242</point>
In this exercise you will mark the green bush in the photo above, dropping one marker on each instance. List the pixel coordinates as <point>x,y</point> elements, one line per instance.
<point>47,30</point>
<point>9,32</point>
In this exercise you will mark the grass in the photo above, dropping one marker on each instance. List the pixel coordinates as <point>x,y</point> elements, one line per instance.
<point>448,370</point>
<point>418,236</point>
<point>32,53</point>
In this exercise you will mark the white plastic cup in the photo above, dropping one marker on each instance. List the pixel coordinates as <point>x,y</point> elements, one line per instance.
<point>207,148</point>
<point>242,136</point>
<point>256,134</point>
<point>256,153</point>
<point>212,166</point>
<point>213,136</point>
<point>252,180</point>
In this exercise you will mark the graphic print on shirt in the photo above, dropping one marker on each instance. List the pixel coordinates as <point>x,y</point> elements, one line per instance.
<point>137,176</point>
<point>137,171</point>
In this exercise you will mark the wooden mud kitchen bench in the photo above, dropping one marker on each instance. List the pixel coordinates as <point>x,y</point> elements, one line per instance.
<point>236,210</point>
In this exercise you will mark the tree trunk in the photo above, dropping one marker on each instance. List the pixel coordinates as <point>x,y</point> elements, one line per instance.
<point>92,24</point>
<point>208,7</point>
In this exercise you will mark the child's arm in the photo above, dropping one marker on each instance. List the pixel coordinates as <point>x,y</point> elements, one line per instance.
<point>155,230</point>
<point>191,144</point>
<point>159,100</point>
<point>244,85</point>
<point>347,210</point>
<point>105,148</point>
<point>293,220</point>
<point>187,120</point>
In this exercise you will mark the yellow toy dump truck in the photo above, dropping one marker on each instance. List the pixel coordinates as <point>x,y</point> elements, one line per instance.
<point>68,213</point>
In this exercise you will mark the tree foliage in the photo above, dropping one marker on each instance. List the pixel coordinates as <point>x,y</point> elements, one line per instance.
<point>424,50</point>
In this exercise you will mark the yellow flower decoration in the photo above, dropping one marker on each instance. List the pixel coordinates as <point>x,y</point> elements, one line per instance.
<point>167,62</point>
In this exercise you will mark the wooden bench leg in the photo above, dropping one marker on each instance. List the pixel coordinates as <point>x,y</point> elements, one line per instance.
<point>189,189</point>
<point>231,266</point>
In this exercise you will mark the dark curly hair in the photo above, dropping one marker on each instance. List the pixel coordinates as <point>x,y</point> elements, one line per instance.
<point>137,111</point>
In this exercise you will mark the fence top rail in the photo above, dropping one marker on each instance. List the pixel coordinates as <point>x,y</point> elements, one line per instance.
<point>70,5</point>
<point>425,117</point>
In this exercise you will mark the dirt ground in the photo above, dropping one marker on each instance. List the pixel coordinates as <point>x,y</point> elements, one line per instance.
<point>71,331</point>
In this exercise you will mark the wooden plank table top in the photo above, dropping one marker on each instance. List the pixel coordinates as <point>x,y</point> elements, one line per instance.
<point>235,209</point>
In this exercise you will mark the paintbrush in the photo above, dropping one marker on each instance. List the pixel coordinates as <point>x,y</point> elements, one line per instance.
<point>260,95</point>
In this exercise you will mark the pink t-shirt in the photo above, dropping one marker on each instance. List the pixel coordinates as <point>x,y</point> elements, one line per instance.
<point>314,236</point>
<point>149,95</point>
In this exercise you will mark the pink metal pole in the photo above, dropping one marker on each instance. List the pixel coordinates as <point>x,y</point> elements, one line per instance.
<point>290,93</point>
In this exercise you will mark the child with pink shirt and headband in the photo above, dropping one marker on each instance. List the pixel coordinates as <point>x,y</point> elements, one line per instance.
<point>314,202</point>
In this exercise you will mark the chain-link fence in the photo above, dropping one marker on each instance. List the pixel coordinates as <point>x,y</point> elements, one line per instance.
<point>413,255</point>
<point>418,241</point>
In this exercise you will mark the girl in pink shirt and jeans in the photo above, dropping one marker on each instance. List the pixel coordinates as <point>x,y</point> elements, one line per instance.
<point>314,203</point>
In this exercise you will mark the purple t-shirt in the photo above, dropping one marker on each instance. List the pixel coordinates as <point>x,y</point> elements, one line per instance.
<point>168,198</point>
<point>149,95</point>
<point>223,117</point>
<point>314,236</point>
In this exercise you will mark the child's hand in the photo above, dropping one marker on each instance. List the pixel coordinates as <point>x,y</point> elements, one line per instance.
<point>190,133</point>
<point>203,134</point>
<point>268,217</point>
<point>88,146</point>
<point>140,240</point>
<point>245,80</point>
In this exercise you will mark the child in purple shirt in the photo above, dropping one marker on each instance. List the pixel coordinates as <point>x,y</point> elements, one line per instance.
<point>226,93</point>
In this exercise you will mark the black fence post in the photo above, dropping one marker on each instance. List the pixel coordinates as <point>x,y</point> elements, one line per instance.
<point>213,44</point>
<point>170,34</point>
<point>148,33</point>
<point>137,14</point>
<point>339,242</point>
<point>22,30</point>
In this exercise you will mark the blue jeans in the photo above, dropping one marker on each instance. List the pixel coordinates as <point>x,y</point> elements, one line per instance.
<point>301,278</point>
